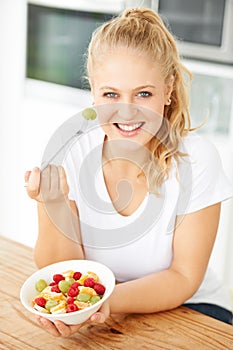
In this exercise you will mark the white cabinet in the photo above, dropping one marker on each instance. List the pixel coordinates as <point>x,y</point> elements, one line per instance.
<point>212,97</point>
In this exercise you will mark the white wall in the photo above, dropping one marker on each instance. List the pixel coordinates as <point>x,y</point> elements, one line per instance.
<point>26,124</point>
<point>11,88</point>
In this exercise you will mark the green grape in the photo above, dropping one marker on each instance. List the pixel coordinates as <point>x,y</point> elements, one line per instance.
<point>64,286</point>
<point>84,297</point>
<point>50,303</point>
<point>95,299</point>
<point>40,285</point>
<point>70,281</point>
<point>89,113</point>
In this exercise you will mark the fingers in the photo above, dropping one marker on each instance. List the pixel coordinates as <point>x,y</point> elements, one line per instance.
<point>65,330</point>
<point>48,326</point>
<point>27,175</point>
<point>102,314</point>
<point>63,181</point>
<point>58,328</point>
<point>54,184</point>
<point>50,185</point>
<point>53,180</point>
<point>33,180</point>
<point>98,317</point>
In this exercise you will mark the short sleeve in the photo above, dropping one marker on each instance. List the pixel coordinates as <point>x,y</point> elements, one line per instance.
<point>202,179</point>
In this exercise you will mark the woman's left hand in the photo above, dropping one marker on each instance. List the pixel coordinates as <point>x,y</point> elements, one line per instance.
<point>60,329</point>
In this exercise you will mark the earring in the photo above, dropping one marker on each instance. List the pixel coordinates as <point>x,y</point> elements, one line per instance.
<point>169,101</point>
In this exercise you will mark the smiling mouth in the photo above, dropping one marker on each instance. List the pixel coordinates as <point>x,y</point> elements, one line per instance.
<point>129,127</point>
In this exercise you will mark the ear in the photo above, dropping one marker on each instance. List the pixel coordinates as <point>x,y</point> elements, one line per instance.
<point>93,97</point>
<point>168,90</point>
<point>92,92</point>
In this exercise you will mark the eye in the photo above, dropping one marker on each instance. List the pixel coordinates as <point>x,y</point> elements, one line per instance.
<point>110,94</point>
<point>144,94</point>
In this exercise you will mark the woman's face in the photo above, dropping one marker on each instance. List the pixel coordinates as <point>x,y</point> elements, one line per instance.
<point>129,94</point>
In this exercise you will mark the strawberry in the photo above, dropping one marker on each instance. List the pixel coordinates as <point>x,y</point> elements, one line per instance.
<point>99,288</point>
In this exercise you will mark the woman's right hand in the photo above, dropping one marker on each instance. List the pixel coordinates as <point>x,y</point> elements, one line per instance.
<point>50,185</point>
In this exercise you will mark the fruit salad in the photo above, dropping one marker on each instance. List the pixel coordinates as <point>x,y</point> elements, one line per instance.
<point>68,292</point>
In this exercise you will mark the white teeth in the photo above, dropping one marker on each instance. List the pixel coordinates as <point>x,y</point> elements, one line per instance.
<point>131,127</point>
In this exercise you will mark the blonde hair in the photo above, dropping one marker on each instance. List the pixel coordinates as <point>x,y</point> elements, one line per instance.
<point>144,31</point>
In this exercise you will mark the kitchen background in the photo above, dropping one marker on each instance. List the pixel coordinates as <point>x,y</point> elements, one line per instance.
<point>31,112</point>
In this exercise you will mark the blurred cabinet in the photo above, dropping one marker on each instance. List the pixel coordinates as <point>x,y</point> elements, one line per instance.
<point>212,98</point>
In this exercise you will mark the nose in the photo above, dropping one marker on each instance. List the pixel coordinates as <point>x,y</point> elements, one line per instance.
<point>127,111</point>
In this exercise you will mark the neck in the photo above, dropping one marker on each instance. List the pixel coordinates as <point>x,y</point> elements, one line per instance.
<point>125,156</point>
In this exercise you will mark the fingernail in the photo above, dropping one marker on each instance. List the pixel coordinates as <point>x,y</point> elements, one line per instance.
<point>43,321</point>
<point>95,318</point>
<point>27,175</point>
<point>38,319</point>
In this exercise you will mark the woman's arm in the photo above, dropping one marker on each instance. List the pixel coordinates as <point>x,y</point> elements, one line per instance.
<point>192,245</point>
<point>193,242</point>
<point>59,233</point>
<point>59,230</point>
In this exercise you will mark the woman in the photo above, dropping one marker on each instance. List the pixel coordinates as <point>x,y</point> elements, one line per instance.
<point>156,215</point>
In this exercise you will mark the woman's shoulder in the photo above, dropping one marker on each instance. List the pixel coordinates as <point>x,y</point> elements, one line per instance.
<point>201,156</point>
<point>199,148</point>
<point>195,143</point>
<point>202,175</point>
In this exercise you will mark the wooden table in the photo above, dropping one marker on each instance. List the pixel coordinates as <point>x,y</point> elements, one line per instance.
<point>173,330</point>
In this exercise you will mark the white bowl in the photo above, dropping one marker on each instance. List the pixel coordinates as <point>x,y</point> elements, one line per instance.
<point>28,291</point>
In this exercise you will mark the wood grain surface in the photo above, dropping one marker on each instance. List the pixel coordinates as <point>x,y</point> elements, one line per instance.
<point>172,330</point>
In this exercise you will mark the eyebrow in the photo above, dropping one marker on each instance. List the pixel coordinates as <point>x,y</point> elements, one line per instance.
<point>137,88</point>
<point>107,88</point>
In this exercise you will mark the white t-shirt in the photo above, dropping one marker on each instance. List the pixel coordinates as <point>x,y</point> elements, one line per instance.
<point>141,244</point>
